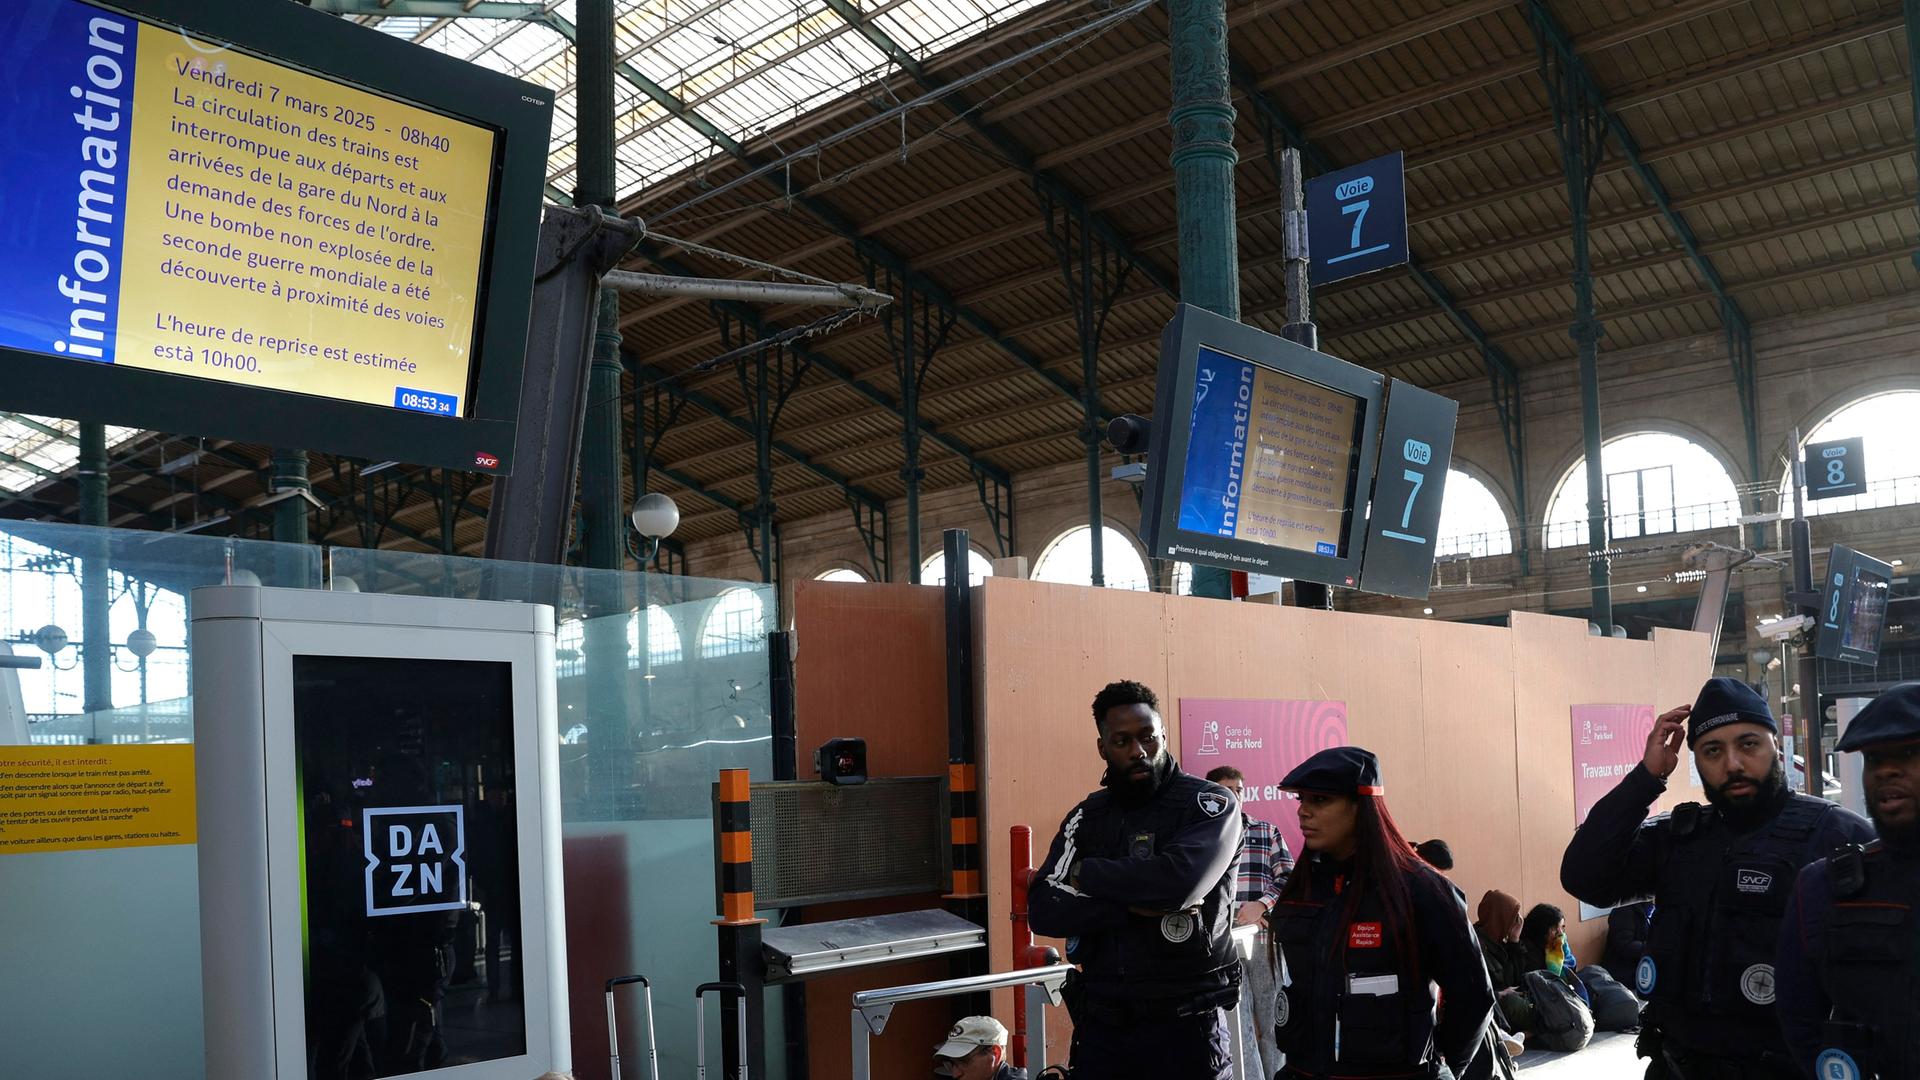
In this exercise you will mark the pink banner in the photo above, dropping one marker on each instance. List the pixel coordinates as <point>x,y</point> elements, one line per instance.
<point>1608,740</point>
<point>1264,740</point>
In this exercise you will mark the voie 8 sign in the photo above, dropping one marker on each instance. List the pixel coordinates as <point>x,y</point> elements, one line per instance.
<point>1272,458</point>
<point>292,230</point>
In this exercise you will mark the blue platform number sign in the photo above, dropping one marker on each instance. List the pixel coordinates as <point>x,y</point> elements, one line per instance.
<point>1836,469</point>
<point>1357,219</point>
<point>1404,513</point>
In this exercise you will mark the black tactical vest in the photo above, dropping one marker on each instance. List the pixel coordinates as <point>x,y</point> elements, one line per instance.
<point>1372,1015</point>
<point>1872,969</point>
<point>1709,964</point>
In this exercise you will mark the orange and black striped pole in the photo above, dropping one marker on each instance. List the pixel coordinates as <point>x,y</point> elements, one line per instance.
<point>740,959</point>
<point>963,810</point>
<point>736,850</point>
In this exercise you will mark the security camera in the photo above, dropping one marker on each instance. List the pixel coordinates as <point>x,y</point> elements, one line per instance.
<point>1129,434</point>
<point>1785,627</point>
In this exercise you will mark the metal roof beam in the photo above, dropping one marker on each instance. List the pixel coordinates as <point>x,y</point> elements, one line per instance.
<point>752,320</point>
<point>959,105</point>
<point>1576,67</point>
<point>791,452</point>
<point>832,218</point>
<point>431,9</point>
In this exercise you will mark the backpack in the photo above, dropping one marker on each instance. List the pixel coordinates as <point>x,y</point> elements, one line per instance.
<point>1614,1006</point>
<point>1561,1020</point>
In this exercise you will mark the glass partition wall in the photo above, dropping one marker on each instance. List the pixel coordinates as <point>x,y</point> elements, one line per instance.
<point>662,681</point>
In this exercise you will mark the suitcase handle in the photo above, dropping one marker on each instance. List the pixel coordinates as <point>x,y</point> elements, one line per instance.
<point>613,1026</point>
<point>700,1024</point>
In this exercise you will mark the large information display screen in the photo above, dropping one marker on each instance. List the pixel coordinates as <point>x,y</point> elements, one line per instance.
<point>1262,453</point>
<point>210,213</point>
<point>1270,457</point>
<point>210,207</point>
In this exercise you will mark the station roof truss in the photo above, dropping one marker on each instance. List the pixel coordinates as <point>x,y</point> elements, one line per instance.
<point>921,143</point>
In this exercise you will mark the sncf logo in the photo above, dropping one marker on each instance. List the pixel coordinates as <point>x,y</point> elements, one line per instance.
<point>484,460</point>
<point>1753,881</point>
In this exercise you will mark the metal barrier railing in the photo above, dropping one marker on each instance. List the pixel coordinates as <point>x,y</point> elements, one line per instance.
<point>873,1008</point>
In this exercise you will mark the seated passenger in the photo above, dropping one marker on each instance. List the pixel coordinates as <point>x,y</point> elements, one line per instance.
<point>1544,947</point>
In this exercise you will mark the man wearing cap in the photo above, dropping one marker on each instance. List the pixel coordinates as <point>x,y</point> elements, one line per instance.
<point>976,1049</point>
<point>1719,876</point>
<point>1850,944</point>
<point>1140,883</point>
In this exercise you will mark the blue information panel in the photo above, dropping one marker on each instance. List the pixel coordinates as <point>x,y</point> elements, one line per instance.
<point>1853,607</point>
<point>1270,457</point>
<point>1357,219</point>
<point>1836,469</point>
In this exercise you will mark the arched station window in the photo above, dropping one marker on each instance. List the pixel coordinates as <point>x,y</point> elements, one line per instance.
<point>1655,483</point>
<point>1069,560</point>
<point>934,570</point>
<point>737,624</point>
<point>1892,448</point>
<point>842,573</point>
<point>1471,520</point>
<point>663,638</point>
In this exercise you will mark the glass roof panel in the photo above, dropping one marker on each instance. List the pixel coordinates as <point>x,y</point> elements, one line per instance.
<point>747,66</point>
<point>34,449</point>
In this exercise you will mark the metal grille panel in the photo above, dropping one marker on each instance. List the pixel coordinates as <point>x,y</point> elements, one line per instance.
<point>815,843</point>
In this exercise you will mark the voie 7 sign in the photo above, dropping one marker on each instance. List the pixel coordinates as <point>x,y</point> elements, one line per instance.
<point>1357,219</point>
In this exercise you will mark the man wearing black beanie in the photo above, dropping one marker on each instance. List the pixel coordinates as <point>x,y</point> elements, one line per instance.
<point>1719,877</point>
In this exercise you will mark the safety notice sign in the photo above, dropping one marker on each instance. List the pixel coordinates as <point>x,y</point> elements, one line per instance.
<point>70,798</point>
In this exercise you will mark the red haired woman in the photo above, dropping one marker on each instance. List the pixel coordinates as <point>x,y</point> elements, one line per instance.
<point>1369,931</point>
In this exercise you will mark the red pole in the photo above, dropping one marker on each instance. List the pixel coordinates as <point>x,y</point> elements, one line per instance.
<point>1025,953</point>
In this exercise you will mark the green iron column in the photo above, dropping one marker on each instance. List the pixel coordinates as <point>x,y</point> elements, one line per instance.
<point>602,512</point>
<point>1203,164</point>
<point>290,514</point>
<point>96,591</point>
<point>1581,128</point>
<point>1913,71</point>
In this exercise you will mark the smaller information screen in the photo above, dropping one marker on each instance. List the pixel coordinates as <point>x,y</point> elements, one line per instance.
<point>178,205</point>
<point>1270,458</point>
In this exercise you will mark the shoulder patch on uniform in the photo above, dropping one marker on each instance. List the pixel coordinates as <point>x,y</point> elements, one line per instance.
<point>1213,803</point>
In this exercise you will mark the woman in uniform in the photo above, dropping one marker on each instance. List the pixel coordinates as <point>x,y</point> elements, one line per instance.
<point>1375,940</point>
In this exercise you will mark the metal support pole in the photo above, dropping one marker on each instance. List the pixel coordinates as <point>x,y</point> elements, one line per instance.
<point>1093,432</point>
<point>1203,163</point>
<point>1913,69</point>
<point>1580,125</point>
<point>910,472</point>
<point>969,896</point>
<point>96,584</point>
<point>603,518</point>
<point>1300,327</point>
<point>289,476</point>
<point>1807,602</point>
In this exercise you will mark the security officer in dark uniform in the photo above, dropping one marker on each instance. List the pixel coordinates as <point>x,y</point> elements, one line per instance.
<point>1368,929</point>
<point>1139,882</point>
<point>1850,944</point>
<point>1720,877</point>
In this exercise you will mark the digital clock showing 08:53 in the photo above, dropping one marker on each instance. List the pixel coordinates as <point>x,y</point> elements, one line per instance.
<point>425,401</point>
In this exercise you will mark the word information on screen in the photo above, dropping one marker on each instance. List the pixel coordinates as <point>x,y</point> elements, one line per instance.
<point>218,215</point>
<point>1269,458</point>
